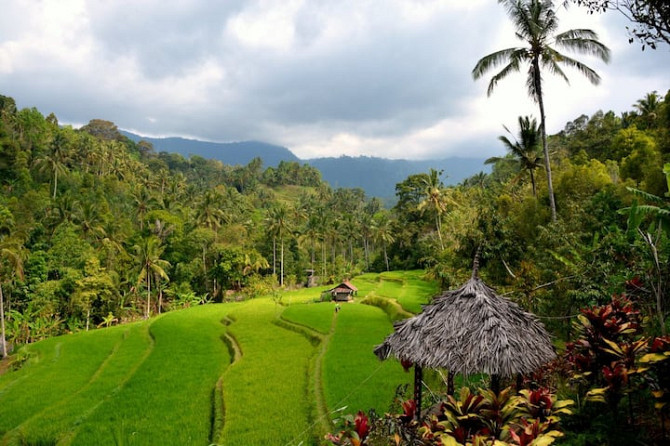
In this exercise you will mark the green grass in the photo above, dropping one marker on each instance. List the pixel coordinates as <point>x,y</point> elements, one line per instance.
<point>319,316</point>
<point>303,295</point>
<point>416,291</point>
<point>353,376</point>
<point>265,393</point>
<point>60,420</point>
<point>170,380</point>
<point>59,368</point>
<point>169,398</point>
<point>366,283</point>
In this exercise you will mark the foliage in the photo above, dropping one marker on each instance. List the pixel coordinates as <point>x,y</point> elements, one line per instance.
<point>651,18</point>
<point>474,419</point>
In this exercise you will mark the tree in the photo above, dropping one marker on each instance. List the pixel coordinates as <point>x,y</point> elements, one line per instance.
<point>149,252</point>
<point>434,199</point>
<point>10,254</point>
<point>649,108</point>
<point>105,130</point>
<point>96,286</point>
<point>384,233</point>
<point>651,18</point>
<point>660,216</point>
<point>54,162</point>
<point>525,150</point>
<point>278,226</point>
<point>536,22</point>
<point>208,212</point>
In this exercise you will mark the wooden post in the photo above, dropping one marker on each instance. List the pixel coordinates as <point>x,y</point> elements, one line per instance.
<point>418,379</point>
<point>495,384</point>
<point>519,382</point>
<point>450,383</point>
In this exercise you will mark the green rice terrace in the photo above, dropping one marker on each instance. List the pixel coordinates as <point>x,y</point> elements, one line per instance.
<point>263,371</point>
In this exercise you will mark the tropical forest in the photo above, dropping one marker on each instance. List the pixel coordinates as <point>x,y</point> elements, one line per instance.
<point>151,298</point>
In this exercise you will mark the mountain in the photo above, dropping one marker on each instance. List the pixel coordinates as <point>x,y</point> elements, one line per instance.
<point>376,176</point>
<point>233,153</point>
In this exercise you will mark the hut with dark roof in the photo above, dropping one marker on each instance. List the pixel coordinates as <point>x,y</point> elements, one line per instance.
<point>470,330</point>
<point>343,292</point>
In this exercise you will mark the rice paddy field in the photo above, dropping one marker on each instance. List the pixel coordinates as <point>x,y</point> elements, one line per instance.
<point>247,373</point>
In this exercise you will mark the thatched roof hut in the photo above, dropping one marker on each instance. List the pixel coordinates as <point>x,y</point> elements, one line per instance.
<point>471,330</point>
<point>343,292</point>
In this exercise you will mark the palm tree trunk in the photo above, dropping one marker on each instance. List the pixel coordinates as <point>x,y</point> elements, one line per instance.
<point>312,260</point>
<point>148,294</point>
<point>274,256</point>
<point>281,263</point>
<point>386,257</point>
<point>438,226</point>
<point>323,258</point>
<point>3,342</point>
<point>532,181</point>
<point>367,254</point>
<point>543,129</point>
<point>55,183</point>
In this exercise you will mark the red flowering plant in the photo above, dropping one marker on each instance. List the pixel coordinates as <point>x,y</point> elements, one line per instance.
<point>658,376</point>
<point>355,433</point>
<point>606,335</point>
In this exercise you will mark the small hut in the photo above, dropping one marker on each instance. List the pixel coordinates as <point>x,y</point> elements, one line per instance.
<point>344,292</point>
<point>470,330</point>
<point>312,280</point>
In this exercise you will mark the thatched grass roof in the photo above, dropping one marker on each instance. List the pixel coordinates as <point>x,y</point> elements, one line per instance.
<point>471,330</point>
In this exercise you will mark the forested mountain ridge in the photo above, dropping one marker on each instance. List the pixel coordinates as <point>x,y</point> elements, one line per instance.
<point>232,153</point>
<point>376,176</point>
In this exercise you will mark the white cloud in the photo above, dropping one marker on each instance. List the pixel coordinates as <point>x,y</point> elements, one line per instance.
<point>374,77</point>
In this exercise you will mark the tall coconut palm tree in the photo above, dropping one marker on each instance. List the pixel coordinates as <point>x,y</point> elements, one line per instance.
<point>383,228</point>
<point>55,161</point>
<point>279,225</point>
<point>525,150</point>
<point>434,199</point>
<point>149,252</point>
<point>536,23</point>
<point>11,256</point>
<point>648,108</point>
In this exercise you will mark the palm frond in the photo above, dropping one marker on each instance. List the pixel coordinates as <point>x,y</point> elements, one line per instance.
<point>646,195</point>
<point>643,210</point>
<point>493,60</point>
<point>584,69</point>
<point>507,143</point>
<point>583,41</point>
<point>502,74</point>
<point>550,63</point>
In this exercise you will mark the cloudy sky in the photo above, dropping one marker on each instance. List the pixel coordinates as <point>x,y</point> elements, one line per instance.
<point>388,78</point>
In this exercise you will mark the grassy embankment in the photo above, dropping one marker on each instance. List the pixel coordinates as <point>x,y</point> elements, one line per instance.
<point>170,380</point>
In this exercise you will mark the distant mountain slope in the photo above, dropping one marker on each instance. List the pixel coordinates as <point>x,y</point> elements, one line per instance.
<point>376,176</point>
<point>232,153</point>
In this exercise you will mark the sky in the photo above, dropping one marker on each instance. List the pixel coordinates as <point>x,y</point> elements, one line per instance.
<point>387,78</point>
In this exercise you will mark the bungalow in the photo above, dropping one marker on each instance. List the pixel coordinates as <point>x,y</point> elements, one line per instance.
<point>343,292</point>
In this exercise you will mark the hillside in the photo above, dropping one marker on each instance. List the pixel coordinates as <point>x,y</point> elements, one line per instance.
<point>376,176</point>
<point>232,153</point>
<point>218,373</point>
